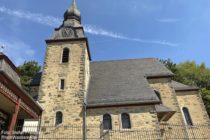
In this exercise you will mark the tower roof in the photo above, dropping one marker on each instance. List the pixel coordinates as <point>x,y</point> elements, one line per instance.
<point>72,12</point>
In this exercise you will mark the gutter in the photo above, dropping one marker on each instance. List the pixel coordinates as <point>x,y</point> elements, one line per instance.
<point>122,104</point>
<point>159,76</point>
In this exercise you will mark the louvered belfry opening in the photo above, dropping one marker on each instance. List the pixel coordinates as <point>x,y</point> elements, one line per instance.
<point>65,57</point>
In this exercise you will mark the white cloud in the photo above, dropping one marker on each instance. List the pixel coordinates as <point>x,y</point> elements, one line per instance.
<point>98,31</point>
<point>53,22</point>
<point>35,17</point>
<point>168,20</point>
<point>17,50</point>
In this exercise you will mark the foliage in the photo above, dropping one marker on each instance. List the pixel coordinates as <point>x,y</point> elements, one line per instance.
<point>28,71</point>
<point>193,74</point>
<point>170,65</point>
<point>205,93</point>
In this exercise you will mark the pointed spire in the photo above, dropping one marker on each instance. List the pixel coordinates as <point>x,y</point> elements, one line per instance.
<point>72,12</point>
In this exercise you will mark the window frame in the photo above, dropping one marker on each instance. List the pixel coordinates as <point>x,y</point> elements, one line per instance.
<point>62,56</point>
<point>57,124</point>
<point>60,85</point>
<point>187,116</point>
<point>129,120</point>
<point>110,122</point>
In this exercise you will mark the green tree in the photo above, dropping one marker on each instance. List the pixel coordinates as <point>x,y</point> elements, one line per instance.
<point>193,74</point>
<point>205,93</point>
<point>28,70</point>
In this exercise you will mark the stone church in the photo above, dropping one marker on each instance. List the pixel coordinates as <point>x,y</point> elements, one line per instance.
<point>119,95</point>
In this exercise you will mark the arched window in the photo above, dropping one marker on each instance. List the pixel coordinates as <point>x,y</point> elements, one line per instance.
<point>65,57</point>
<point>158,95</point>
<point>125,118</point>
<point>107,122</point>
<point>187,116</point>
<point>58,118</point>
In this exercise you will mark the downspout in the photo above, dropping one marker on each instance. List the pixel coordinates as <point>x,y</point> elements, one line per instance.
<point>84,120</point>
<point>86,85</point>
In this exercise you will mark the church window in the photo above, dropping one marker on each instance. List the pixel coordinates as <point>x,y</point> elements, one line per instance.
<point>187,116</point>
<point>158,95</point>
<point>107,122</point>
<point>62,84</point>
<point>65,57</point>
<point>59,118</point>
<point>126,123</point>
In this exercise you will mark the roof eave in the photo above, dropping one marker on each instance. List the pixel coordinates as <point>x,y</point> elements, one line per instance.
<point>186,89</point>
<point>22,94</point>
<point>159,76</point>
<point>89,106</point>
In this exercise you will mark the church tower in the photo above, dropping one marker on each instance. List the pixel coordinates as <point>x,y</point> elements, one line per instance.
<point>65,73</point>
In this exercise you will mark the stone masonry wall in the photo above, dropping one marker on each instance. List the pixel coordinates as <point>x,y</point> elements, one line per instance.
<point>70,100</point>
<point>194,103</point>
<point>168,96</point>
<point>142,117</point>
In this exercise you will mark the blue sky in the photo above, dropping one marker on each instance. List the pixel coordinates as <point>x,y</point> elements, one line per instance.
<point>116,29</point>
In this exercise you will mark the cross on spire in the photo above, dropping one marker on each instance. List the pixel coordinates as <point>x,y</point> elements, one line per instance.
<point>72,12</point>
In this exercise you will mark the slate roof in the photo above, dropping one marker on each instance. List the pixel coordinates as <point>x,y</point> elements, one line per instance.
<point>181,87</point>
<point>162,108</point>
<point>36,79</point>
<point>164,113</point>
<point>123,81</point>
